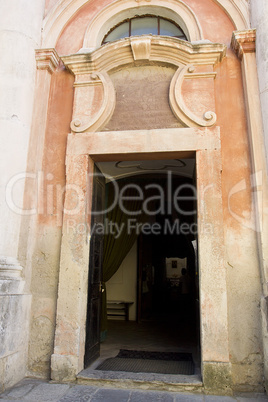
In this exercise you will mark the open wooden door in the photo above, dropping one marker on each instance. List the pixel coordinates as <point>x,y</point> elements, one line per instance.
<point>92,346</point>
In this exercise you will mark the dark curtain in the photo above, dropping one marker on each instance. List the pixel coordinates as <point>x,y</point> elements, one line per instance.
<point>116,248</point>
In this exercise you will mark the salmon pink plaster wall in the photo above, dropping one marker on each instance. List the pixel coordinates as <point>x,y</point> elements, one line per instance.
<point>240,250</point>
<point>45,257</point>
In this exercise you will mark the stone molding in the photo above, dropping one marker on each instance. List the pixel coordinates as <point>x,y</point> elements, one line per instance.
<point>69,343</point>
<point>81,124</point>
<point>117,11</point>
<point>189,140</point>
<point>64,10</point>
<point>47,59</point>
<point>10,268</point>
<point>92,69</point>
<point>244,42</point>
<point>162,48</point>
<point>10,276</point>
<point>238,12</point>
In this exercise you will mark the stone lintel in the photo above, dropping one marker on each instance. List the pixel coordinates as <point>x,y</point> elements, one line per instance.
<point>244,42</point>
<point>47,59</point>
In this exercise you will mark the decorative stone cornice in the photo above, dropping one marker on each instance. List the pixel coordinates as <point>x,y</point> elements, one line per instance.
<point>153,48</point>
<point>47,59</point>
<point>244,42</point>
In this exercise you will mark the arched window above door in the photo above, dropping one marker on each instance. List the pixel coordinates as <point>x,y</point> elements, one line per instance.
<point>144,25</point>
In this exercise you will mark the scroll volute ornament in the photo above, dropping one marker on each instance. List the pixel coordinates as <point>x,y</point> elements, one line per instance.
<point>177,104</point>
<point>85,87</point>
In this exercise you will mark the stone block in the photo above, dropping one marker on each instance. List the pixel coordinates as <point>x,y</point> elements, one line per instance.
<point>19,391</point>
<point>213,398</point>
<point>248,377</point>
<point>142,396</point>
<point>79,393</point>
<point>217,378</point>
<point>113,395</point>
<point>14,313</point>
<point>47,392</point>
<point>64,368</point>
<point>188,398</point>
<point>13,369</point>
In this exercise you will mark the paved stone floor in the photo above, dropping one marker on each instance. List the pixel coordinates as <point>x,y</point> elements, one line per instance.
<point>41,391</point>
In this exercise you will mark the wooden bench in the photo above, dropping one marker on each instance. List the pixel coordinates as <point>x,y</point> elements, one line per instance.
<point>118,308</point>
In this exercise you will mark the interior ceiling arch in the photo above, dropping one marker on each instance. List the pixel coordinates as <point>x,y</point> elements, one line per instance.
<point>59,16</point>
<point>122,169</point>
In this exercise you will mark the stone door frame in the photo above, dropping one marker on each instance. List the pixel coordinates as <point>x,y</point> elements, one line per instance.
<point>82,151</point>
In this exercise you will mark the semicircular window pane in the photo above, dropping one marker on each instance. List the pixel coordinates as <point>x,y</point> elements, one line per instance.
<point>167,28</point>
<point>144,25</point>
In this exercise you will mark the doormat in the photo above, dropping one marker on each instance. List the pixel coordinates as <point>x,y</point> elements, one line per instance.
<point>134,361</point>
<point>141,354</point>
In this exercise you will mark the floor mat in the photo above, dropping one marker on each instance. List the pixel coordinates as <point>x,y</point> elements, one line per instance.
<point>149,362</point>
<point>141,354</point>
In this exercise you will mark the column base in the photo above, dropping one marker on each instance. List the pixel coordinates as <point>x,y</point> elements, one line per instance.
<point>10,276</point>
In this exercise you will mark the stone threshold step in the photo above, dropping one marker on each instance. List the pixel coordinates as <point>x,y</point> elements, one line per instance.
<point>142,381</point>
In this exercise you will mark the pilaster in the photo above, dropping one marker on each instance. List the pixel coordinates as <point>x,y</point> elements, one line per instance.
<point>243,43</point>
<point>69,343</point>
<point>47,61</point>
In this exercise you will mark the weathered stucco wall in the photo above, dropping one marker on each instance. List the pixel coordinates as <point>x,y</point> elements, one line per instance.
<point>45,248</point>
<point>241,261</point>
<point>259,20</point>
<point>20,34</point>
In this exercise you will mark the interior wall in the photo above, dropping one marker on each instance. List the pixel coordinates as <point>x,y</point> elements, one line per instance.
<point>123,284</point>
<point>174,271</point>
